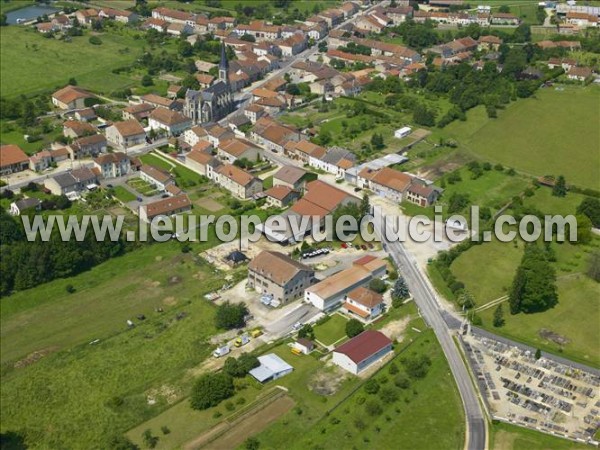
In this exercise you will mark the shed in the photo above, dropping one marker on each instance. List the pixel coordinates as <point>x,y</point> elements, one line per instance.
<point>271,367</point>
<point>304,345</point>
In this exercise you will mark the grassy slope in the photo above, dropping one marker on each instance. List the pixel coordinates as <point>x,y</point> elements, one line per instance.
<point>28,71</point>
<point>61,400</point>
<point>555,133</point>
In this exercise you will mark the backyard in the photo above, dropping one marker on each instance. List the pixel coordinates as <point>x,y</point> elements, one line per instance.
<point>184,177</point>
<point>332,330</point>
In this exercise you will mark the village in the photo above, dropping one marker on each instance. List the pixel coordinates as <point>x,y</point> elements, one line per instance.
<point>303,120</point>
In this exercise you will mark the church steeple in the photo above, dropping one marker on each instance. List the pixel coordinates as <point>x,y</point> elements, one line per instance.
<point>224,65</point>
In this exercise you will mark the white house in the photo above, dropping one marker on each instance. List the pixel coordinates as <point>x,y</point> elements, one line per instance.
<point>364,303</point>
<point>362,351</point>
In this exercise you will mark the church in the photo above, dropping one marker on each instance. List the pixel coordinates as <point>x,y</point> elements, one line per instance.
<point>214,102</point>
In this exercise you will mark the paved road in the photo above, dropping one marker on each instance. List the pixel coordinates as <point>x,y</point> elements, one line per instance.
<point>425,298</point>
<point>281,327</point>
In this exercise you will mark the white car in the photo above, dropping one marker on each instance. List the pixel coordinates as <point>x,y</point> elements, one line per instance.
<point>297,326</point>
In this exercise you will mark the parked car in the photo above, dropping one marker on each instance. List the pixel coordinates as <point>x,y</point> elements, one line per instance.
<point>139,199</point>
<point>110,186</point>
<point>164,196</point>
<point>363,247</point>
<point>297,326</point>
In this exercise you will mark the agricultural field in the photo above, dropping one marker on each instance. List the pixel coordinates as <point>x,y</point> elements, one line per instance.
<point>57,387</point>
<point>575,318</point>
<point>535,135</point>
<point>33,64</point>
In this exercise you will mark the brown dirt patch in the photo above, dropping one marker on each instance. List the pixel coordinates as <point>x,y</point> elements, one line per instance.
<point>169,301</point>
<point>395,329</point>
<point>550,335</point>
<point>240,430</point>
<point>169,393</point>
<point>174,280</point>
<point>34,357</point>
<point>209,204</point>
<point>328,380</point>
<point>151,283</point>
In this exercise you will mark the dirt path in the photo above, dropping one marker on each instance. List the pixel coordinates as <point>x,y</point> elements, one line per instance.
<point>237,432</point>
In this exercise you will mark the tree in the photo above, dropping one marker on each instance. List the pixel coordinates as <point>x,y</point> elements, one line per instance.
<point>402,381</point>
<point>28,116</point>
<point>584,229</point>
<point>534,285</point>
<point>373,407</point>
<point>538,353</point>
<point>377,285</point>
<point>95,40</point>
<point>149,439</point>
<point>593,269</point>
<point>3,20</point>
<point>147,81</point>
<point>252,443</point>
<point>185,48</point>
<point>354,327</point>
<point>400,290</point>
<point>560,187</point>
<point>466,300</point>
<point>72,81</point>
<point>504,9</point>
<point>240,367</point>
<point>388,394</point>
<point>424,116</point>
<point>498,316</point>
<point>210,389</point>
<point>377,141</point>
<point>365,206</point>
<point>416,366</point>
<point>372,386</point>
<point>120,442</point>
<point>231,316</point>
<point>590,207</point>
<point>306,332</point>
<point>248,38</point>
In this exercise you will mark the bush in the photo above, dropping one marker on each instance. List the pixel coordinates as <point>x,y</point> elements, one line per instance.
<point>388,394</point>
<point>251,443</point>
<point>231,316</point>
<point>417,366</point>
<point>393,369</point>
<point>70,288</point>
<point>165,429</point>
<point>95,40</point>
<point>372,386</point>
<point>373,408</point>
<point>377,285</point>
<point>354,327</point>
<point>402,381</point>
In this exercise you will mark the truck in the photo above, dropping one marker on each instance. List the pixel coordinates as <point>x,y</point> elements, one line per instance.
<point>242,340</point>
<point>221,351</point>
<point>256,332</point>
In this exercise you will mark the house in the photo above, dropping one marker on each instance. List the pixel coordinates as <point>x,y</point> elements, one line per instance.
<point>70,97</point>
<point>75,129</point>
<point>304,150</point>
<point>259,29</point>
<point>336,161</point>
<point>582,20</point>
<point>399,14</point>
<point>178,29</point>
<point>303,346</point>
<point>195,135</point>
<point>86,115</point>
<point>280,196</point>
<point>156,24</point>
<point>237,181</point>
<point>73,182</point>
<point>489,42</point>
<point>579,73</point>
<point>290,176</point>
<point>278,276</point>
<point>364,303</point>
<point>165,207</point>
<point>158,101</point>
<point>362,351</point>
<point>293,45</point>
<point>86,17</point>
<point>118,15</point>
<point>155,176</point>
<point>231,150</point>
<point>504,19</point>
<point>12,159</point>
<point>112,165</point>
<point>330,292</point>
<point>386,182</point>
<point>272,135</point>
<point>138,111</point>
<point>86,146</point>
<point>172,15</point>
<point>216,133</point>
<point>271,367</point>
<point>126,134</point>
<point>172,122</point>
<point>40,161</point>
<point>203,163</point>
<point>26,204</point>
<point>421,194</point>
<point>369,24</point>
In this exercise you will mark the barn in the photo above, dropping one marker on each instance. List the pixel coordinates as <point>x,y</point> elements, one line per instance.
<point>362,351</point>
<point>271,367</point>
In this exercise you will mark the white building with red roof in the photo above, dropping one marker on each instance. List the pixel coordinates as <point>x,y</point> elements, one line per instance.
<point>362,351</point>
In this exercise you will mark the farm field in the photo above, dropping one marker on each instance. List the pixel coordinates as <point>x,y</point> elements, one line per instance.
<point>32,64</point>
<point>504,436</point>
<point>536,135</point>
<point>428,404</point>
<point>66,395</point>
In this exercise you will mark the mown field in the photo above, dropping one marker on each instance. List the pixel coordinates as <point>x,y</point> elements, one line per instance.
<point>60,390</point>
<point>504,437</point>
<point>577,315</point>
<point>554,133</point>
<point>32,63</point>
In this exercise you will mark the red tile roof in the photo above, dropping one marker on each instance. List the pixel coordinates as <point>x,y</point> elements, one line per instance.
<point>12,154</point>
<point>364,345</point>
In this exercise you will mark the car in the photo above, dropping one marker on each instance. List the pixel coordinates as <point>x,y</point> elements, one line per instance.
<point>164,196</point>
<point>363,247</point>
<point>139,199</point>
<point>110,186</point>
<point>297,326</point>
<point>344,245</point>
<point>370,245</point>
<point>357,189</point>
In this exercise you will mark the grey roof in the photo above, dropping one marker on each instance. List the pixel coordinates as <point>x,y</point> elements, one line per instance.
<point>384,161</point>
<point>27,203</point>
<point>65,180</point>
<point>270,365</point>
<point>335,154</point>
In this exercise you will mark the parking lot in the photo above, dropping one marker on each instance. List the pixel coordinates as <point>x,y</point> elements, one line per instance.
<point>542,394</point>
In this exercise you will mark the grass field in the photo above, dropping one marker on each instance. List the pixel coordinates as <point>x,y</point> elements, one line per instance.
<point>577,315</point>
<point>123,194</point>
<point>77,395</point>
<point>183,175</point>
<point>32,63</point>
<point>429,404</point>
<point>504,437</point>
<point>538,136</point>
<point>331,331</point>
